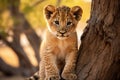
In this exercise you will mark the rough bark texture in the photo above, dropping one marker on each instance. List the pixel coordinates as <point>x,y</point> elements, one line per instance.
<point>99,53</point>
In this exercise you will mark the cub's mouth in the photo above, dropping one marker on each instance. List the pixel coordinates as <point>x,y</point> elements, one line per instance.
<point>62,36</point>
<point>62,33</point>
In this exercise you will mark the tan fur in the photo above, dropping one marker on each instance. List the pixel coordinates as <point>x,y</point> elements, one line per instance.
<point>59,48</point>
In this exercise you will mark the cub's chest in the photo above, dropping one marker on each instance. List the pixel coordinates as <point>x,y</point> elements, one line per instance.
<point>62,47</point>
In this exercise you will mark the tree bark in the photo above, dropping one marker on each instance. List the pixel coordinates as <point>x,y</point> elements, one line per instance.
<point>99,53</point>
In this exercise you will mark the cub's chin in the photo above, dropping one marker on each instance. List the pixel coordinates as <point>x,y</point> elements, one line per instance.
<point>62,38</point>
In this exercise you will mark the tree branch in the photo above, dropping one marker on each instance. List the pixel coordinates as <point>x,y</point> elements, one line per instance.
<point>9,70</point>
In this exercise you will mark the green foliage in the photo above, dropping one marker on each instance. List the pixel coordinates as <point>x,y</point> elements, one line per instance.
<point>3,4</point>
<point>28,9</point>
<point>3,33</point>
<point>34,12</point>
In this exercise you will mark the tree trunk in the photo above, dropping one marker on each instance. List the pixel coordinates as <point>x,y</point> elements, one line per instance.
<point>9,70</point>
<point>25,68</point>
<point>21,25</point>
<point>99,53</point>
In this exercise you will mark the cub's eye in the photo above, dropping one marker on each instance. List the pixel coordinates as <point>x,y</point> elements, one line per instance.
<point>69,23</point>
<point>56,22</point>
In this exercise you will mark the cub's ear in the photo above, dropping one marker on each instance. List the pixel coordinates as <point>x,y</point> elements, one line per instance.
<point>77,12</point>
<point>48,10</point>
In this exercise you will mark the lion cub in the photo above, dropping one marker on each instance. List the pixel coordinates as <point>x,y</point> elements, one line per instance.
<point>59,48</point>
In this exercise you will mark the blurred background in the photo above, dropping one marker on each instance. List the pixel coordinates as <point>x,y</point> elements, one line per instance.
<point>22,25</point>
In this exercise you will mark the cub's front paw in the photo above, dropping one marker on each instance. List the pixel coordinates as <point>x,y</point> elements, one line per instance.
<point>53,77</point>
<point>69,76</point>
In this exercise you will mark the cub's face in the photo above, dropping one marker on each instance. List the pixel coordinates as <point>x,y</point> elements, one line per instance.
<point>62,21</point>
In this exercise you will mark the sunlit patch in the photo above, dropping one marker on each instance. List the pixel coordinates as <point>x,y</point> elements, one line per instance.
<point>6,20</point>
<point>87,0</point>
<point>10,38</point>
<point>23,40</point>
<point>9,56</point>
<point>28,49</point>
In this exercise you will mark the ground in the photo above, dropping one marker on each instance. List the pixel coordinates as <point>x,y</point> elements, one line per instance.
<point>2,77</point>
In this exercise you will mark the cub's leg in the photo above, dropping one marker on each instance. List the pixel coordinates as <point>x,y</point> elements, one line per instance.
<point>69,69</point>
<point>42,71</point>
<point>51,70</point>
